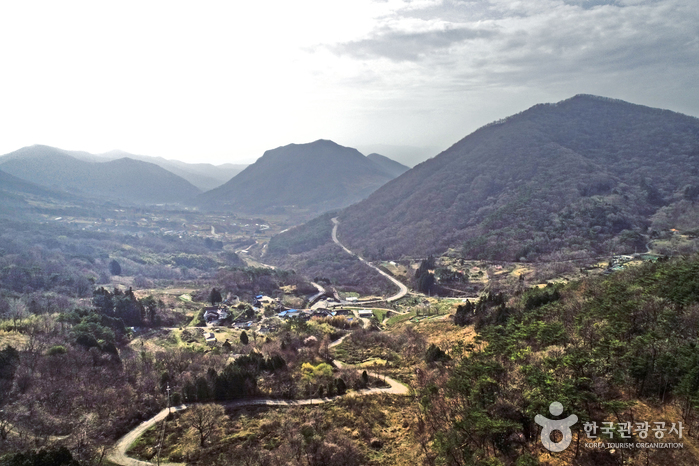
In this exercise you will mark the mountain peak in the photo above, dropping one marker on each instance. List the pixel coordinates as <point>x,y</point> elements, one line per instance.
<point>320,176</point>
<point>556,177</point>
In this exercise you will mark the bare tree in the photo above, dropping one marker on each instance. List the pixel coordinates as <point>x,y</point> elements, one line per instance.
<point>205,419</point>
<point>17,311</point>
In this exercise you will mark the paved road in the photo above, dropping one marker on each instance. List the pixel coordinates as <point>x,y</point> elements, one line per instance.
<point>403,289</point>
<point>321,292</point>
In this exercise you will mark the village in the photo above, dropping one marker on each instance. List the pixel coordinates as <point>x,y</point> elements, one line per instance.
<point>266,315</point>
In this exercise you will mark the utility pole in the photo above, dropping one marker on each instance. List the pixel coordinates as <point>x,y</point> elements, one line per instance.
<point>162,432</point>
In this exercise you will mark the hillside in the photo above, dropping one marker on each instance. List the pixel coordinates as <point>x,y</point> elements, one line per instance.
<point>390,166</point>
<point>584,176</point>
<point>16,196</point>
<point>317,176</point>
<point>123,179</point>
<point>616,349</point>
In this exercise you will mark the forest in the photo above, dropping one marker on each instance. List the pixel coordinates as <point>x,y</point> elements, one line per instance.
<point>602,347</point>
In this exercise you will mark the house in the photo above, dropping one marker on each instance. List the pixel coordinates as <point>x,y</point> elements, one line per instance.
<point>291,313</point>
<point>210,338</point>
<point>342,312</point>
<point>261,300</point>
<point>366,313</point>
<point>351,299</point>
<point>213,314</point>
<point>232,301</point>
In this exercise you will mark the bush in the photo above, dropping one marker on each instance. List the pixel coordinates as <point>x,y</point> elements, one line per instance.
<point>55,350</point>
<point>51,457</point>
<point>435,354</point>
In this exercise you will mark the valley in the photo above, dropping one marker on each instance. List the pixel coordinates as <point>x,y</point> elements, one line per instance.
<point>300,316</point>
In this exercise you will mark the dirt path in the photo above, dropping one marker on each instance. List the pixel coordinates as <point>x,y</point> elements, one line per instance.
<point>118,453</point>
<point>403,289</point>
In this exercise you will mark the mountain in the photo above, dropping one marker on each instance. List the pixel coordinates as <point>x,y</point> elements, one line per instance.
<point>390,166</point>
<point>15,193</point>
<point>204,176</point>
<point>122,179</point>
<point>406,155</point>
<point>578,178</point>
<point>318,176</point>
<point>12,184</point>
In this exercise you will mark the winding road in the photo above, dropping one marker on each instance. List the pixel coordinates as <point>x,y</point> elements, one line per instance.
<point>403,289</point>
<point>118,453</point>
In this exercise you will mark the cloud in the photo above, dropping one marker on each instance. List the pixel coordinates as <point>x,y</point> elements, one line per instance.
<point>411,46</point>
<point>544,40</point>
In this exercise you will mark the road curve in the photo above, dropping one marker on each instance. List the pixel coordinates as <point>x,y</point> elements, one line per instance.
<point>321,292</point>
<point>118,453</point>
<point>403,289</point>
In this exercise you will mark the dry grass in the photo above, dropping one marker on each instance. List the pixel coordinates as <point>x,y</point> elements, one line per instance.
<point>444,333</point>
<point>276,432</point>
<point>14,339</point>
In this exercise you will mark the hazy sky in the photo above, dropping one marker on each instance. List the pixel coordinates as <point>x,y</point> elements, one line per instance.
<point>224,81</point>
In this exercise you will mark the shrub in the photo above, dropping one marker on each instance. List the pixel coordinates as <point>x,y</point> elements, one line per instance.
<point>435,354</point>
<point>55,350</point>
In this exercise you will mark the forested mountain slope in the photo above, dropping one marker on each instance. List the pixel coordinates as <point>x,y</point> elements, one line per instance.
<point>584,176</point>
<point>616,349</point>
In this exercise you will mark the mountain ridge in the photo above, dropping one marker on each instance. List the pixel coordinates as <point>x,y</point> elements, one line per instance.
<point>390,166</point>
<point>582,177</point>
<point>122,179</point>
<point>205,176</point>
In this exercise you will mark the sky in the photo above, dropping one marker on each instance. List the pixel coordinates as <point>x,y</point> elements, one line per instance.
<point>221,82</point>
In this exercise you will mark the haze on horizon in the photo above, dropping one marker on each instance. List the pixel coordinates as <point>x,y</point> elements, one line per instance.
<point>221,82</point>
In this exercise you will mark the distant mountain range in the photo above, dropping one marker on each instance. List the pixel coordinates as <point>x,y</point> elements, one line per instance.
<point>585,176</point>
<point>122,179</point>
<point>318,176</point>
<point>390,166</point>
<point>406,155</point>
<point>204,176</point>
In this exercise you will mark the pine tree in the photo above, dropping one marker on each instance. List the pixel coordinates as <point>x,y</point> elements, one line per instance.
<point>114,267</point>
<point>215,297</point>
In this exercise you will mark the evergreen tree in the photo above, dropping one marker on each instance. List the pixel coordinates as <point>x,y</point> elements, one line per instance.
<point>202,389</point>
<point>114,267</point>
<point>464,314</point>
<point>244,338</point>
<point>215,297</point>
<point>435,354</point>
<point>341,386</point>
